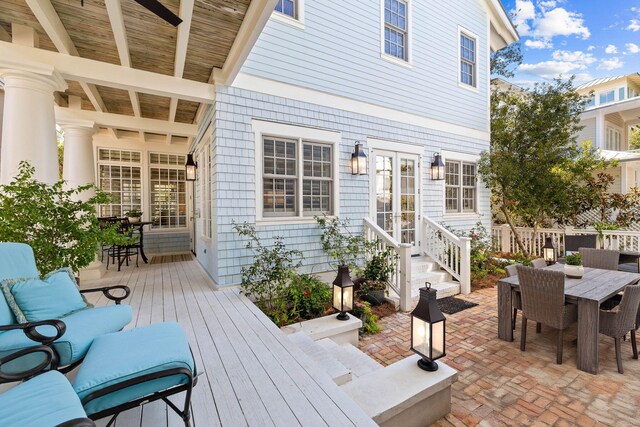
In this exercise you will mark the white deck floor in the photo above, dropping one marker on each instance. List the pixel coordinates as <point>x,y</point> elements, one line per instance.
<point>252,374</point>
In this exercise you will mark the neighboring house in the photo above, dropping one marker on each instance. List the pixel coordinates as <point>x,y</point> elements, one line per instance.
<point>406,79</point>
<point>614,109</point>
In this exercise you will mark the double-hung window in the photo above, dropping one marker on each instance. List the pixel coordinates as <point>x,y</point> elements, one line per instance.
<point>396,28</point>
<point>460,187</point>
<point>468,57</point>
<point>297,177</point>
<point>607,97</point>
<point>120,176</point>
<point>168,190</point>
<point>288,8</point>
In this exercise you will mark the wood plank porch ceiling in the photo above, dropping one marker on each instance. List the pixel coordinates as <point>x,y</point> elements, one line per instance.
<point>151,43</point>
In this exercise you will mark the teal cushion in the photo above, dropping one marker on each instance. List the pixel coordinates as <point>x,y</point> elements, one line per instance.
<point>82,328</point>
<point>16,261</point>
<point>44,401</point>
<point>117,357</point>
<point>52,298</point>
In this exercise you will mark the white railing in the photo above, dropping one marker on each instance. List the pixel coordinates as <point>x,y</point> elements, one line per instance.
<point>400,283</point>
<point>451,252</point>
<point>504,239</point>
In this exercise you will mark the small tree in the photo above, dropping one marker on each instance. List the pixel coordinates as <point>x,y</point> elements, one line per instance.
<point>634,139</point>
<point>63,231</point>
<point>504,61</point>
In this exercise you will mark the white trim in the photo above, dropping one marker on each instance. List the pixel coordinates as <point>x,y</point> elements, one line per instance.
<point>285,90</point>
<point>476,68</point>
<point>409,39</point>
<point>401,147</point>
<point>467,158</point>
<point>299,133</point>
<point>395,60</point>
<point>297,22</point>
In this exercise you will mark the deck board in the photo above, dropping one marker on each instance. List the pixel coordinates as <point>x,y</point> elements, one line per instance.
<point>250,374</point>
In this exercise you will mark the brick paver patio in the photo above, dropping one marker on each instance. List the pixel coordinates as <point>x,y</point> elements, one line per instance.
<point>499,385</point>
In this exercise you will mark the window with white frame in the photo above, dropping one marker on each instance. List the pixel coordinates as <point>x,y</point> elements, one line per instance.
<point>468,57</point>
<point>288,8</point>
<point>396,28</point>
<point>621,93</point>
<point>613,139</point>
<point>460,187</point>
<point>120,176</point>
<point>297,177</point>
<point>167,191</point>
<point>204,189</point>
<point>607,97</point>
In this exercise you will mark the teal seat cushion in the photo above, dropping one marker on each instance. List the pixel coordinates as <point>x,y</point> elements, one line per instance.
<point>117,357</point>
<point>44,401</point>
<point>82,328</point>
<point>55,296</point>
<point>16,262</point>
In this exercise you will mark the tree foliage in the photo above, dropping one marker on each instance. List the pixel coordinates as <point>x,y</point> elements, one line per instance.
<point>634,139</point>
<point>62,230</point>
<point>504,61</point>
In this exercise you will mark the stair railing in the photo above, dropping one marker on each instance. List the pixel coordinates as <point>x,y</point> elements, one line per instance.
<point>400,283</point>
<point>451,252</point>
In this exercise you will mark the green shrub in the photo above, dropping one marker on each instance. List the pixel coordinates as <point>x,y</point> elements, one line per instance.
<point>362,310</point>
<point>309,297</point>
<point>574,259</point>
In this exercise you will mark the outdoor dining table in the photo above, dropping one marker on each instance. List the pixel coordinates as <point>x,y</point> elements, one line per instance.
<point>595,287</point>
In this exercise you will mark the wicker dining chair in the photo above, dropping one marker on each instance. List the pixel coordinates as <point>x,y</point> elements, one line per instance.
<point>516,299</point>
<point>539,263</point>
<point>622,319</point>
<point>543,301</point>
<point>600,258</point>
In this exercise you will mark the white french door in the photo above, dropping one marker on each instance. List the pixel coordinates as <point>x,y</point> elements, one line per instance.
<point>396,194</point>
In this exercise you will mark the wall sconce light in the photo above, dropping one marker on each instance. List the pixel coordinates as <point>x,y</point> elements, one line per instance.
<point>190,168</point>
<point>549,252</point>
<point>428,329</point>
<point>358,160</point>
<point>437,168</point>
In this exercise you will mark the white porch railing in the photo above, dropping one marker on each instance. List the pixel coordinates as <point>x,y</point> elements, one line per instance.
<point>400,283</point>
<point>451,252</point>
<point>504,239</point>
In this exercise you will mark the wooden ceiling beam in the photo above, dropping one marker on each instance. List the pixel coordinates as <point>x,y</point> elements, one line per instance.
<point>110,75</point>
<point>4,35</point>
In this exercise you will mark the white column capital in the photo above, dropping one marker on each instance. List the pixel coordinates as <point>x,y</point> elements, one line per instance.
<point>78,126</point>
<point>42,78</point>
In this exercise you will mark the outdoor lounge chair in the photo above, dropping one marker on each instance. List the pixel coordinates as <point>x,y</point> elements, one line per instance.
<point>600,258</point>
<point>618,322</point>
<point>70,336</point>
<point>543,301</point>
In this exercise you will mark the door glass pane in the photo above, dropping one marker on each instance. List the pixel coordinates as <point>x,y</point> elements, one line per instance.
<point>407,201</point>
<point>384,193</point>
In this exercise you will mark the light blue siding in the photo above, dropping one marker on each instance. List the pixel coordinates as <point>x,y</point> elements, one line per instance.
<point>339,52</point>
<point>165,243</point>
<point>234,179</point>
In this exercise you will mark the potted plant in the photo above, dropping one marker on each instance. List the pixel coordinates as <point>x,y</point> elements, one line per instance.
<point>134,215</point>
<point>377,273</point>
<point>573,266</point>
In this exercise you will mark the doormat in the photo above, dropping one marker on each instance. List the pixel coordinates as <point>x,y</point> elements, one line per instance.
<point>164,259</point>
<point>452,305</point>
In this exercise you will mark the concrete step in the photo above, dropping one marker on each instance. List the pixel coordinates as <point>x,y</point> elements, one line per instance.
<point>419,277</point>
<point>323,358</point>
<point>423,263</point>
<point>351,357</point>
<point>445,289</point>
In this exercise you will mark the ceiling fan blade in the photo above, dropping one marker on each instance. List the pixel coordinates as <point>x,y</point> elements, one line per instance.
<point>156,7</point>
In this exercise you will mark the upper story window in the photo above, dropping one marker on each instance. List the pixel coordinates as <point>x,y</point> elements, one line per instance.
<point>287,7</point>
<point>613,139</point>
<point>468,55</point>
<point>621,94</point>
<point>607,97</point>
<point>460,187</point>
<point>592,101</point>
<point>396,28</point>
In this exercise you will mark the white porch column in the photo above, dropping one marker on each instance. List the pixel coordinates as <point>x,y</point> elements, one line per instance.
<point>600,131</point>
<point>29,127</point>
<point>78,167</point>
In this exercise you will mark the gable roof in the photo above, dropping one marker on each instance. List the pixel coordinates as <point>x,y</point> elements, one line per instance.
<point>503,32</point>
<point>604,80</point>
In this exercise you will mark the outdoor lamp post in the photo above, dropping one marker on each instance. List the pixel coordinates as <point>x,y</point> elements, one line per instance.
<point>343,293</point>
<point>358,160</point>
<point>428,329</point>
<point>190,168</point>
<point>437,168</point>
<point>549,252</point>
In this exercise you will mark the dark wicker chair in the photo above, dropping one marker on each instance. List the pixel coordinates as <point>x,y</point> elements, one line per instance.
<point>539,263</point>
<point>600,258</point>
<point>543,301</point>
<point>622,319</point>
<point>516,299</point>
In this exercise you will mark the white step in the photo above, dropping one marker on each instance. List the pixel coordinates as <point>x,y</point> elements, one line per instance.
<point>418,278</point>
<point>419,264</point>
<point>351,357</point>
<point>323,358</point>
<point>445,289</point>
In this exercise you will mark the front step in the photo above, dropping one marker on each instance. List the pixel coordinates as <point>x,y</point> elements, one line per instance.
<point>351,357</point>
<point>323,358</point>
<point>423,263</point>
<point>419,278</point>
<point>445,289</point>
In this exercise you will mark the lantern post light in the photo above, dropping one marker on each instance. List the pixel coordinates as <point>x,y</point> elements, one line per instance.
<point>549,252</point>
<point>190,168</point>
<point>437,168</point>
<point>343,293</point>
<point>428,330</point>
<point>358,160</point>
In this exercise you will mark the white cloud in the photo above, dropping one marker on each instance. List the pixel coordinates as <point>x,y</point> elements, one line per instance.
<point>560,22</point>
<point>578,57</point>
<point>591,47</point>
<point>611,49</point>
<point>610,64</point>
<point>550,4</point>
<point>538,44</point>
<point>549,69</point>
<point>634,25</point>
<point>523,12</point>
<point>632,48</point>
<point>583,77</point>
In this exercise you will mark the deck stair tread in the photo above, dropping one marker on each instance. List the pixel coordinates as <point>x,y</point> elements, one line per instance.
<point>351,357</point>
<point>324,359</point>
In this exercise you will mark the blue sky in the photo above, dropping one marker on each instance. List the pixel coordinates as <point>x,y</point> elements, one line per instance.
<point>588,38</point>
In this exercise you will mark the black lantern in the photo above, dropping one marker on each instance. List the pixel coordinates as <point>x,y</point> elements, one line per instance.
<point>358,160</point>
<point>428,329</point>
<point>437,168</point>
<point>549,252</point>
<point>343,293</point>
<point>190,168</point>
